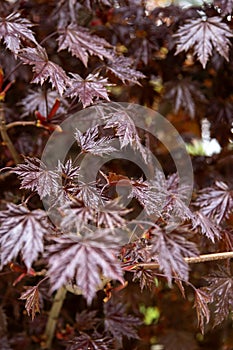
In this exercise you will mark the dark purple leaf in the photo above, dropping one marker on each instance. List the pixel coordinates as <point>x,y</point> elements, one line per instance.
<point>86,320</point>
<point>88,89</point>
<point>170,248</point>
<point>31,295</point>
<point>81,43</point>
<point>84,260</point>
<point>68,171</point>
<point>202,299</point>
<point>126,131</point>
<point>89,142</point>
<point>118,322</point>
<point>14,29</point>
<point>22,232</point>
<point>110,215</point>
<point>204,34</point>
<point>148,196</point>
<point>43,68</point>
<point>75,216</point>
<point>220,289</point>
<point>146,278</point>
<point>206,226</point>
<point>35,176</point>
<point>216,202</point>
<point>39,100</point>
<point>121,67</point>
<point>184,94</point>
<point>94,341</point>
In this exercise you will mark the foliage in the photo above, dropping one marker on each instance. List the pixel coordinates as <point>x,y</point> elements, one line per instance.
<point>59,58</point>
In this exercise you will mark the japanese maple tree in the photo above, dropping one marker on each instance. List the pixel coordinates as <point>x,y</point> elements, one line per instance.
<point>83,272</point>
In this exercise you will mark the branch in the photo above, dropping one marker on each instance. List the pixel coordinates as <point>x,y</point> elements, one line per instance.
<point>5,137</point>
<point>192,260</point>
<point>53,316</point>
<point>19,123</point>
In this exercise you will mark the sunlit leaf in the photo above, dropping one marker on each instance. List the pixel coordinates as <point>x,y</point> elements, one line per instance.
<point>14,29</point>
<point>43,68</point>
<point>84,260</point>
<point>81,43</point>
<point>22,232</point>
<point>204,35</point>
<point>89,89</point>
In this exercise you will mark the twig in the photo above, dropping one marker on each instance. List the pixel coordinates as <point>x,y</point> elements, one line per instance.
<point>5,137</point>
<point>20,123</point>
<point>192,260</point>
<point>53,316</point>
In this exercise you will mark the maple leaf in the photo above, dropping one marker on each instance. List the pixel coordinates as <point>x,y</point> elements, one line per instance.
<point>184,93</point>
<point>118,322</point>
<point>146,278</point>
<point>226,6</point>
<point>207,227</point>
<point>201,301</point>
<point>14,29</point>
<point>88,89</point>
<point>31,295</point>
<point>86,320</point>
<point>41,101</point>
<point>22,232</point>
<point>175,203</point>
<point>126,131</point>
<point>94,341</point>
<point>170,248</point>
<point>148,196</point>
<point>220,289</point>
<point>110,214</point>
<point>81,43</point>
<point>43,68</point>
<point>216,202</point>
<point>75,216</point>
<point>67,171</point>
<point>83,259</point>
<point>204,34</point>
<point>89,142</point>
<point>121,67</point>
<point>89,194</point>
<point>35,176</point>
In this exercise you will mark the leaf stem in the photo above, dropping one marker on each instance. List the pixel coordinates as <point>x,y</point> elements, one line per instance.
<point>5,137</point>
<point>53,316</point>
<point>191,260</point>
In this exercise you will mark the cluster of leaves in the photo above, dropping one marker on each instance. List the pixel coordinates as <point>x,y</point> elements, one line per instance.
<point>63,57</point>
